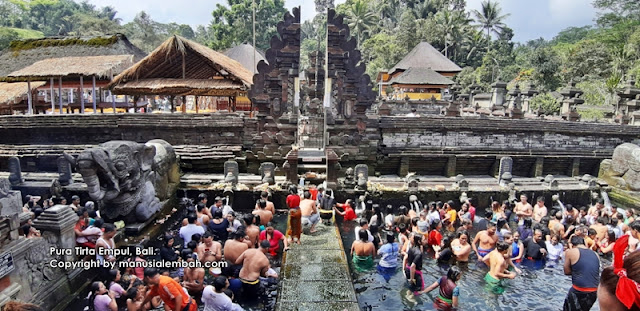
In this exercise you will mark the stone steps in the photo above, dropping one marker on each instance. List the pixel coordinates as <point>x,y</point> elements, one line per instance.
<point>315,275</point>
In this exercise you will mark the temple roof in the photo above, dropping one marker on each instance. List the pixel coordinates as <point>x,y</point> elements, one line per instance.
<point>421,76</point>
<point>424,55</point>
<point>104,66</point>
<point>244,54</point>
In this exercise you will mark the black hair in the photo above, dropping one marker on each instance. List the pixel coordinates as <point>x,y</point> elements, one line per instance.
<point>293,189</point>
<point>167,238</point>
<point>26,229</point>
<point>417,239</point>
<point>363,222</point>
<point>217,214</point>
<point>192,245</point>
<point>502,246</point>
<point>109,228</point>
<point>150,272</point>
<point>434,224</point>
<point>202,196</point>
<point>265,244</point>
<point>256,219</point>
<point>95,287</point>
<point>200,206</point>
<point>247,219</point>
<point>262,203</point>
<point>132,292</point>
<point>600,201</point>
<point>98,223</point>
<point>196,237</point>
<point>93,213</point>
<point>635,225</point>
<point>592,231</point>
<point>527,223</point>
<point>186,254</point>
<point>403,210</point>
<point>501,223</point>
<point>453,274</point>
<point>363,235</point>
<point>219,283</point>
<point>264,194</point>
<point>111,276</point>
<point>390,238</point>
<point>306,195</point>
<point>207,234</point>
<point>402,227</point>
<point>577,240</point>
<point>414,221</point>
<point>191,218</point>
<point>461,233</point>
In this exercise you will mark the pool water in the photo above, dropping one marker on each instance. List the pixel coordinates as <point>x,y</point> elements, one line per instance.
<point>543,289</point>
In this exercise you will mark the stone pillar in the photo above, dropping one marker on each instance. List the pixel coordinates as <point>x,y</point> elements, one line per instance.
<point>65,175</point>
<point>15,172</point>
<point>10,200</point>
<point>506,166</point>
<point>59,221</point>
<point>538,166</point>
<point>404,167</point>
<point>575,167</point>
<point>291,166</point>
<point>333,167</point>
<point>451,166</point>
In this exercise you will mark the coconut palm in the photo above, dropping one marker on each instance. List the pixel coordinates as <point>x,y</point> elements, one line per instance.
<point>490,18</point>
<point>451,26</point>
<point>361,19</point>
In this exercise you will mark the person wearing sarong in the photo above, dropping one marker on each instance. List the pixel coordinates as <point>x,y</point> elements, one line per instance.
<point>448,297</point>
<point>362,252</point>
<point>295,215</point>
<point>412,264</point>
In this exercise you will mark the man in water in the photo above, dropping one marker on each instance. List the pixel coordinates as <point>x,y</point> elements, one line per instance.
<point>270,207</point>
<point>252,231</point>
<point>309,211</point>
<point>539,210</point>
<point>214,297</point>
<point>233,248</point>
<point>487,239</point>
<point>362,252</point>
<point>169,290</point>
<point>265,215</point>
<point>209,250</point>
<point>535,250</point>
<point>498,269</point>
<point>523,209</point>
<point>583,265</point>
<point>254,265</point>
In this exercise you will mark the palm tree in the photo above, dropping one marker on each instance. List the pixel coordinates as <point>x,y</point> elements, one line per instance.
<point>451,25</point>
<point>360,19</point>
<point>490,19</point>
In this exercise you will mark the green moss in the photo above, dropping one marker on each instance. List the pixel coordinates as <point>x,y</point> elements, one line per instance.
<point>22,45</point>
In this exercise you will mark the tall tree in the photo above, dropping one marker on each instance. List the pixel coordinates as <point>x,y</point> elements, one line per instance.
<point>361,19</point>
<point>490,18</point>
<point>231,24</point>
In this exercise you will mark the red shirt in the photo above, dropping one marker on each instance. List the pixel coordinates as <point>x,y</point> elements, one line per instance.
<point>293,200</point>
<point>277,236</point>
<point>314,193</point>
<point>472,212</point>
<point>434,238</point>
<point>350,214</point>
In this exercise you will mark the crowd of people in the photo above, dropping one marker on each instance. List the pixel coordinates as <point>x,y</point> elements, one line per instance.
<point>511,236</point>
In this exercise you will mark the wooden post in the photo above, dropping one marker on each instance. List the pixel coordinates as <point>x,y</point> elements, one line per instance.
<point>29,99</point>
<point>53,97</point>
<point>93,92</point>
<point>173,105</point>
<point>196,100</point>
<point>184,104</point>
<point>126,103</point>
<point>113,97</point>
<point>60,94</point>
<point>81,94</point>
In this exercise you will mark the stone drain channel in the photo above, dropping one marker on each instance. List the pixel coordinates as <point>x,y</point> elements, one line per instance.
<point>315,275</point>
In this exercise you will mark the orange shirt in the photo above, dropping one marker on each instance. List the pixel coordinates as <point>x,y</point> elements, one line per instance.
<point>314,193</point>
<point>168,289</point>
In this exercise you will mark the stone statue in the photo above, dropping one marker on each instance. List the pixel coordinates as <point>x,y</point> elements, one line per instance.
<point>362,176</point>
<point>129,179</point>
<point>65,176</point>
<point>623,170</point>
<point>15,171</point>
<point>349,181</point>
<point>231,172</point>
<point>267,171</point>
<point>347,110</point>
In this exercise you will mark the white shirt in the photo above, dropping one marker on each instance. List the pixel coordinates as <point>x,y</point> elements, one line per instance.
<point>433,216</point>
<point>187,231</point>
<point>554,252</point>
<point>388,220</point>
<point>226,210</point>
<point>217,301</point>
<point>368,232</point>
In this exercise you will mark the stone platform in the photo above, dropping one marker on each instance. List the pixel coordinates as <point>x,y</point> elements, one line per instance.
<point>315,275</point>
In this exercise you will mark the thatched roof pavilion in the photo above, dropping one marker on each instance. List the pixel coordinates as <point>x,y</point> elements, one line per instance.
<point>246,55</point>
<point>97,67</point>
<point>23,53</point>
<point>12,95</point>
<point>181,67</point>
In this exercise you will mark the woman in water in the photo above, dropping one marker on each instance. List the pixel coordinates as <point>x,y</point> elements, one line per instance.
<point>517,248</point>
<point>388,257</point>
<point>461,247</point>
<point>101,299</point>
<point>435,237</point>
<point>362,252</point>
<point>349,214</point>
<point>448,297</point>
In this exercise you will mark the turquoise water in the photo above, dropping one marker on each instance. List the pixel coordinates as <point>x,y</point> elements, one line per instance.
<point>532,290</point>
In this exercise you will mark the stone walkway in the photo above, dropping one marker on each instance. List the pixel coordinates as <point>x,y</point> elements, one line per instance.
<point>315,275</point>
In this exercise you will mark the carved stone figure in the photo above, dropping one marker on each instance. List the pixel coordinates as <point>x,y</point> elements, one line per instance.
<point>276,107</point>
<point>15,172</point>
<point>231,172</point>
<point>128,179</point>
<point>64,171</point>
<point>623,170</point>
<point>267,171</point>
<point>348,107</point>
<point>349,180</point>
<point>362,176</point>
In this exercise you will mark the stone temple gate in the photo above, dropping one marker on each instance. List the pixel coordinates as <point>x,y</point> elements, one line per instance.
<point>319,114</point>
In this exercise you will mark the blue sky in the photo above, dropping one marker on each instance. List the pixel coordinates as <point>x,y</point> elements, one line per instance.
<point>530,19</point>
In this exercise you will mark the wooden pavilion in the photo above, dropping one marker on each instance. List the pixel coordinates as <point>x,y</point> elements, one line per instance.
<point>179,68</point>
<point>14,96</point>
<point>72,70</point>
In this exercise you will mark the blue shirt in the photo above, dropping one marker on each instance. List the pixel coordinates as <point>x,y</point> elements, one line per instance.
<point>389,255</point>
